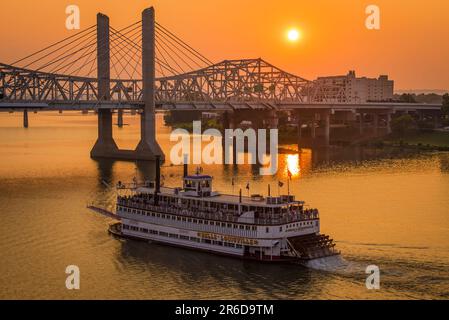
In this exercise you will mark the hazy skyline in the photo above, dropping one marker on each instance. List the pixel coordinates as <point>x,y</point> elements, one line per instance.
<point>411,46</point>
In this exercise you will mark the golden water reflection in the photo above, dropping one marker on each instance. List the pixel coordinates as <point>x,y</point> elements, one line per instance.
<point>390,211</point>
<point>292,165</point>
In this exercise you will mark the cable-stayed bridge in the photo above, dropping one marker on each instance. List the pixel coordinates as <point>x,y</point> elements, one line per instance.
<point>64,74</point>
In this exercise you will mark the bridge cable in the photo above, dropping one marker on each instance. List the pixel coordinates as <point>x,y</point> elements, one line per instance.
<point>168,41</point>
<point>52,45</point>
<point>121,48</point>
<point>75,61</point>
<point>113,55</point>
<point>166,66</point>
<point>65,57</point>
<point>168,53</point>
<point>89,36</point>
<point>165,30</point>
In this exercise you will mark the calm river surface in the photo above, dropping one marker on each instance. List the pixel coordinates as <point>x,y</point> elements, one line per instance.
<point>392,212</point>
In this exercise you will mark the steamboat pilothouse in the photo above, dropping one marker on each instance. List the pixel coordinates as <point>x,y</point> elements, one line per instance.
<point>194,216</point>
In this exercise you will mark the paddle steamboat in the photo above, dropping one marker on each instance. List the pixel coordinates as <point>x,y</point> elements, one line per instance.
<point>194,216</point>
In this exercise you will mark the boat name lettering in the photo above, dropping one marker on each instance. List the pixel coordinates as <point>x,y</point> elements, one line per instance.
<point>238,240</point>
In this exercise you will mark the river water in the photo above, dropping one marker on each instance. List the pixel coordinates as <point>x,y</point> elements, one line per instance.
<point>382,209</point>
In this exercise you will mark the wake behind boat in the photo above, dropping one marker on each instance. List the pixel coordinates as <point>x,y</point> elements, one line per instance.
<point>271,229</point>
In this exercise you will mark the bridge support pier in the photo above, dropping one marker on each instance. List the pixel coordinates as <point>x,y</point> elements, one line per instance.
<point>361,122</point>
<point>299,124</point>
<point>148,148</point>
<point>25,118</point>
<point>376,124</point>
<point>436,121</point>
<point>389,123</point>
<point>120,118</point>
<point>319,128</point>
<point>327,127</point>
<point>105,146</point>
<point>313,127</point>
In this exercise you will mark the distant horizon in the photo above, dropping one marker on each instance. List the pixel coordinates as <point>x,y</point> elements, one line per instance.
<point>421,91</point>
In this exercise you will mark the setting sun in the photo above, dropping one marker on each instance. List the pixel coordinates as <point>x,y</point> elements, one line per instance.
<point>293,35</point>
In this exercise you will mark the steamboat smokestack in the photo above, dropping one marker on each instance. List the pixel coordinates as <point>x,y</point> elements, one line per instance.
<point>158,174</point>
<point>186,166</point>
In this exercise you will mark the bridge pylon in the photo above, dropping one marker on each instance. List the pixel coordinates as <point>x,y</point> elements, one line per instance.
<point>148,148</point>
<point>105,147</point>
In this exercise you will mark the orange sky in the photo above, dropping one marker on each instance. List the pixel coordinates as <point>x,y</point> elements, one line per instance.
<point>412,45</point>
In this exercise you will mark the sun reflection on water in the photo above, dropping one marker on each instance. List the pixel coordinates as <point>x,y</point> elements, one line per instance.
<point>293,165</point>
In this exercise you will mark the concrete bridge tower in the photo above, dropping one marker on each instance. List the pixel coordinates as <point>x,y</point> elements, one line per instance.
<point>105,147</point>
<point>148,147</point>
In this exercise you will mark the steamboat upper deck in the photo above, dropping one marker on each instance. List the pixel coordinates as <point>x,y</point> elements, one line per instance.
<point>196,199</point>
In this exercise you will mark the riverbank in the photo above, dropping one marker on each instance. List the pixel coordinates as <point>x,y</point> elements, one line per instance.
<point>427,141</point>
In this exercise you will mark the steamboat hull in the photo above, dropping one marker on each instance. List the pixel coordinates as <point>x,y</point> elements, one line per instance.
<point>311,249</point>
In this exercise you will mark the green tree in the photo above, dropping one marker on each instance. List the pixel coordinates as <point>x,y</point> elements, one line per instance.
<point>402,124</point>
<point>445,106</point>
<point>408,98</point>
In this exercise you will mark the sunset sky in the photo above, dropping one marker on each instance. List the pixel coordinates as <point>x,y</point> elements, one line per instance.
<point>412,45</point>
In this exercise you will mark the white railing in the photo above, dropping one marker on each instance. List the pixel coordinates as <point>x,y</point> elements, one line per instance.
<point>222,216</point>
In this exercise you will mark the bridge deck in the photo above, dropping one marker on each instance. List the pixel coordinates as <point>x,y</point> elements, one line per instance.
<point>215,106</point>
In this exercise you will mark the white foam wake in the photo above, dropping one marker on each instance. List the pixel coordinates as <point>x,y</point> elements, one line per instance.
<point>333,264</point>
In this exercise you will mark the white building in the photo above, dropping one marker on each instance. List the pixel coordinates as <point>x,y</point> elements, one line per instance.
<point>351,89</point>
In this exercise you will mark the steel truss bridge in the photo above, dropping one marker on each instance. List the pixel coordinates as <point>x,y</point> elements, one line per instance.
<point>240,82</point>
